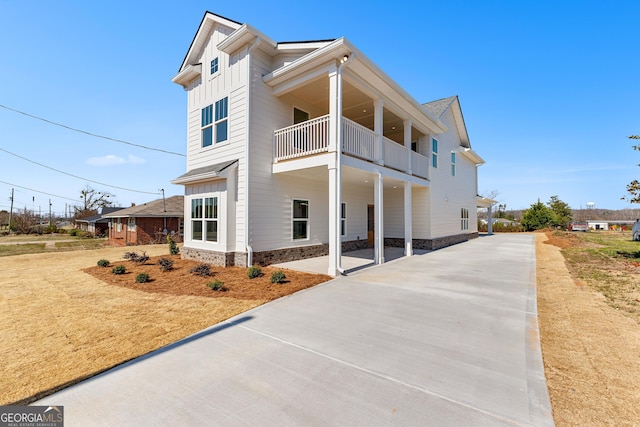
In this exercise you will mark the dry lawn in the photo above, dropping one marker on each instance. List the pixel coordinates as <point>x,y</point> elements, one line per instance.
<point>63,320</point>
<point>591,350</point>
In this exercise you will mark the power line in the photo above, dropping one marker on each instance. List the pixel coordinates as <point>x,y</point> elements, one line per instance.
<point>75,176</point>
<point>91,134</point>
<point>37,191</point>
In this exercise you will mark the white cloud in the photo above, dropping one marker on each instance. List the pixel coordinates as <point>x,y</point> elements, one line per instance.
<point>111,160</point>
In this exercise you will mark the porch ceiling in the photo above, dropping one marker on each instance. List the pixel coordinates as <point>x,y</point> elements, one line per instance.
<point>356,105</point>
<point>350,176</point>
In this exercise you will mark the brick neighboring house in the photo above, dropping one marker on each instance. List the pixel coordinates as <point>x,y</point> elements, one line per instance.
<point>147,223</point>
<point>97,224</point>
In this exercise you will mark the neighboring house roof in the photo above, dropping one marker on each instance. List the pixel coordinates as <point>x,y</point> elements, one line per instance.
<point>100,217</point>
<point>219,170</point>
<point>169,207</point>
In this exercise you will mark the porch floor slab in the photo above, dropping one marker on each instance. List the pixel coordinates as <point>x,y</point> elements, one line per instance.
<point>352,261</point>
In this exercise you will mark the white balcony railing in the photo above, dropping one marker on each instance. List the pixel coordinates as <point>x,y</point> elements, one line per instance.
<point>312,137</point>
<point>419,165</point>
<point>359,141</point>
<point>395,155</point>
<point>302,139</point>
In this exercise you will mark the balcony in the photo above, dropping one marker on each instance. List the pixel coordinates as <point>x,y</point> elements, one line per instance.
<point>312,137</point>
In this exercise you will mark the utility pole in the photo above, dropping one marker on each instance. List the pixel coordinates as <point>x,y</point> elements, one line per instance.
<point>11,211</point>
<point>50,213</point>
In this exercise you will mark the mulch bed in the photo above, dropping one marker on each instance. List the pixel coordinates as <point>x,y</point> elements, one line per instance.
<point>179,281</point>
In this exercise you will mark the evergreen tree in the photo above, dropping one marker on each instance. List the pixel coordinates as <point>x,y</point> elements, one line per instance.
<point>561,211</point>
<point>538,216</point>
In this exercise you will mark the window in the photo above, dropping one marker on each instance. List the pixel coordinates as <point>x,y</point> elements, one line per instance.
<point>300,219</point>
<point>434,152</point>
<point>204,219</point>
<point>196,219</point>
<point>414,146</point>
<point>222,112</point>
<point>131,224</point>
<point>119,226</point>
<point>464,219</point>
<point>453,164</point>
<point>214,66</point>
<point>215,122</point>
<point>343,219</point>
<point>211,218</point>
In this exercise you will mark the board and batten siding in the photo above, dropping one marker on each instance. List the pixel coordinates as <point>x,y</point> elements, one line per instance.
<point>230,81</point>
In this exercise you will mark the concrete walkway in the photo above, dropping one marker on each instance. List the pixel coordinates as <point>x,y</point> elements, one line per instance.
<point>448,338</point>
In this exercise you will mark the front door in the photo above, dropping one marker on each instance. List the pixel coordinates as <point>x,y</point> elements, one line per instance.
<point>370,224</point>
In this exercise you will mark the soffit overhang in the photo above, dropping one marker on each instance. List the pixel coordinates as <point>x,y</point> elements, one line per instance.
<point>364,73</point>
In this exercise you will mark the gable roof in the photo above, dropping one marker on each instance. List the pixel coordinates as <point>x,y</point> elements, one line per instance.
<point>170,207</point>
<point>99,217</point>
<point>199,40</point>
<point>440,107</point>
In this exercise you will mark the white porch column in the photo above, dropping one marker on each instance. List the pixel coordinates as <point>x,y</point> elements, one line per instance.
<point>408,219</point>
<point>489,221</point>
<point>378,201</point>
<point>378,105</point>
<point>335,179</point>
<point>407,142</point>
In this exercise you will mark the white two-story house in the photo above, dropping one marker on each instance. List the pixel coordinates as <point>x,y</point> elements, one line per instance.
<point>301,149</point>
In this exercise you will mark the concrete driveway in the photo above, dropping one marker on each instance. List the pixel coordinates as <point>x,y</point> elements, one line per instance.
<point>447,338</point>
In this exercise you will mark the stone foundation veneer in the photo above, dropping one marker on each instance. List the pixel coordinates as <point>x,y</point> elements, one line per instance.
<point>266,257</point>
<point>431,244</point>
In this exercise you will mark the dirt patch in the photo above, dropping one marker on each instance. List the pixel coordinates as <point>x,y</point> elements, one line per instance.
<point>591,351</point>
<point>60,324</point>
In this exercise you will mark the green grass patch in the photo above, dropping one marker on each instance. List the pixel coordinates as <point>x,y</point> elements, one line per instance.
<point>22,249</point>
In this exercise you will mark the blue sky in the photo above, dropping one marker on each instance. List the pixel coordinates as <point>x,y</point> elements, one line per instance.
<point>550,90</point>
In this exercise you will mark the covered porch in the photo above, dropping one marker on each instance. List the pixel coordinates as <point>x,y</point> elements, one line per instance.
<point>352,261</point>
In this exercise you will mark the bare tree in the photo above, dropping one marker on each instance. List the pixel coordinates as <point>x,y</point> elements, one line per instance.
<point>92,201</point>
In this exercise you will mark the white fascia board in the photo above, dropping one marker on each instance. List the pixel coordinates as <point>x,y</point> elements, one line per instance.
<point>472,155</point>
<point>208,21</point>
<point>205,177</point>
<point>335,50</point>
<point>302,163</point>
<point>241,37</point>
<point>484,202</point>
<point>189,73</point>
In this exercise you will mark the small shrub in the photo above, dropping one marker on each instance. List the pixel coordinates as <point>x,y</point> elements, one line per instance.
<point>142,278</point>
<point>165,264</point>
<point>119,269</point>
<point>173,247</point>
<point>135,257</point>
<point>278,277</point>
<point>201,270</point>
<point>103,263</point>
<point>254,272</point>
<point>217,286</point>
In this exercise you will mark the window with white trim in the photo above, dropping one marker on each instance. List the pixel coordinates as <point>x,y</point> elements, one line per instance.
<point>343,219</point>
<point>464,219</point>
<point>214,66</point>
<point>434,152</point>
<point>453,164</point>
<point>131,224</point>
<point>204,219</point>
<point>214,122</point>
<point>300,219</point>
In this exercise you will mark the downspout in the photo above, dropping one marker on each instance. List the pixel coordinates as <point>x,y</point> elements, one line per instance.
<point>247,242</point>
<point>339,166</point>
